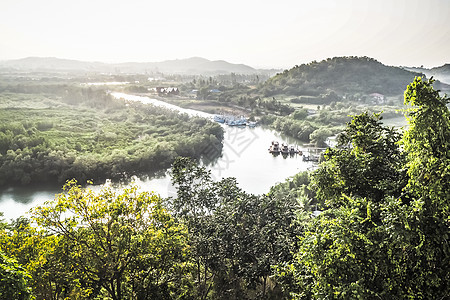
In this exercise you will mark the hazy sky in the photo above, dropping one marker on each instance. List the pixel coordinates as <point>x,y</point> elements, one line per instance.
<point>260,33</point>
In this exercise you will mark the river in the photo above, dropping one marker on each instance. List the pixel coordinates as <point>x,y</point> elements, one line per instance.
<point>245,157</point>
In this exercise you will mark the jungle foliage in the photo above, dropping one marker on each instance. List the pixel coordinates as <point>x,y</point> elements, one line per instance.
<point>52,133</point>
<point>384,227</point>
<point>371,222</point>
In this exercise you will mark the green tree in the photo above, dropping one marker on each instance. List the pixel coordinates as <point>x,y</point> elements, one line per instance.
<point>13,279</point>
<point>424,218</point>
<point>319,136</point>
<point>300,114</point>
<point>36,252</point>
<point>235,237</point>
<point>367,162</point>
<point>383,232</point>
<point>124,246</point>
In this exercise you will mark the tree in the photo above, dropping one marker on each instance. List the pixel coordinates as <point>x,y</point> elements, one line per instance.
<point>300,114</point>
<point>319,136</point>
<point>383,232</point>
<point>13,280</point>
<point>235,237</point>
<point>424,218</point>
<point>123,246</point>
<point>367,162</point>
<point>337,257</point>
<point>427,143</point>
<point>37,252</point>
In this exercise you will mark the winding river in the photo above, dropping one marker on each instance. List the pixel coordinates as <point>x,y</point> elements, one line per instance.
<point>245,157</point>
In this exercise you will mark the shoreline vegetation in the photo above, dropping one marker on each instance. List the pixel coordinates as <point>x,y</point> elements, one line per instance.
<point>65,131</point>
<point>371,222</point>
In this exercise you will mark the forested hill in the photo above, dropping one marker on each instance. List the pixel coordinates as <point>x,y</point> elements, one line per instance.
<point>441,73</point>
<point>343,75</point>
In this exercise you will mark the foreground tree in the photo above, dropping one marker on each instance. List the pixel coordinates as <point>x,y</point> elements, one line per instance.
<point>14,280</point>
<point>124,246</point>
<point>236,238</point>
<point>383,232</point>
<point>424,218</point>
<point>367,162</point>
<point>38,252</point>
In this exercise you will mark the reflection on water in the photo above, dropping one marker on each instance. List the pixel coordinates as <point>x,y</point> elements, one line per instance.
<point>16,202</point>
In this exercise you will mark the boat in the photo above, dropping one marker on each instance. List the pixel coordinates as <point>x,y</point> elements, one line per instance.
<point>313,158</point>
<point>251,124</point>
<point>293,150</point>
<point>274,148</point>
<point>284,149</point>
<point>219,119</point>
<point>234,121</point>
<point>242,121</point>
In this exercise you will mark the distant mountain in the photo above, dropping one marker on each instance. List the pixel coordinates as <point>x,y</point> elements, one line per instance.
<point>194,65</point>
<point>445,69</point>
<point>51,64</point>
<point>340,75</point>
<point>441,73</point>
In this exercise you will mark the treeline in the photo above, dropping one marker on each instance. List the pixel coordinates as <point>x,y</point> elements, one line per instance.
<point>317,125</point>
<point>84,133</point>
<point>239,93</point>
<point>372,222</point>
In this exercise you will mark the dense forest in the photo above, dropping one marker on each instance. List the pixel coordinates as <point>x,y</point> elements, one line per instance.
<point>371,222</point>
<point>339,76</point>
<point>50,133</point>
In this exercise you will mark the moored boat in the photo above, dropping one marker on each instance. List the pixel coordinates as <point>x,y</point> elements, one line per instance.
<point>219,118</point>
<point>242,121</point>
<point>293,150</point>
<point>313,158</point>
<point>284,149</point>
<point>275,148</point>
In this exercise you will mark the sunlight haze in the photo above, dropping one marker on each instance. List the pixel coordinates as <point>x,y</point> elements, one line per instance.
<point>264,34</point>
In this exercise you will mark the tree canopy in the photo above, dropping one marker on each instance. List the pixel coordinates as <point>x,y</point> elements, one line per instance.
<point>371,222</point>
<point>85,133</point>
<point>383,232</point>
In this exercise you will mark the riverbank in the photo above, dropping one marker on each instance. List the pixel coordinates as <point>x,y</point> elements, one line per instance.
<point>244,156</point>
<point>207,106</point>
<point>310,123</point>
<point>50,139</point>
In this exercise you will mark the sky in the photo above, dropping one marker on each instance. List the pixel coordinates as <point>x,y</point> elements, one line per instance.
<point>259,33</point>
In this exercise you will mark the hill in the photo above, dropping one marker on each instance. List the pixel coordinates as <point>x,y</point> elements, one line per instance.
<point>51,64</point>
<point>341,76</point>
<point>441,73</point>
<point>194,65</point>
